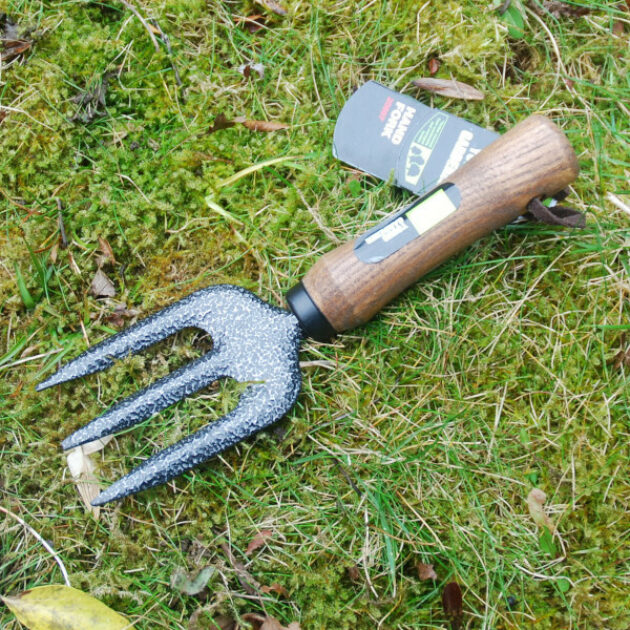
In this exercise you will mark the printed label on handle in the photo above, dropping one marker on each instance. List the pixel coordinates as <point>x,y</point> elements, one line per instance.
<point>396,231</point>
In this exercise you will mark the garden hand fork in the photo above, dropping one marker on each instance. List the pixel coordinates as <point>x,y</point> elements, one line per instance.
<point>258,344</point>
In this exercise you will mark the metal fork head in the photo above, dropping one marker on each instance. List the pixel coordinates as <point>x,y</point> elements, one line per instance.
<point>253,343</point>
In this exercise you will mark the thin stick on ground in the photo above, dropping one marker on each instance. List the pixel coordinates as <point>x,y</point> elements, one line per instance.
<point>169,50</point>
<point>617,202</point>
<point>146,25</point>
<point>244,577</point>
<point>320,224</point>
<point>46,546</point>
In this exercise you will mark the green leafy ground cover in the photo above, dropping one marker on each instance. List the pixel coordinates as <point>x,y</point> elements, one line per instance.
<point>417,438</point>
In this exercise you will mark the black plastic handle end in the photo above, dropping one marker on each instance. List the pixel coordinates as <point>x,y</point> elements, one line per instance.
<point>313,322</point>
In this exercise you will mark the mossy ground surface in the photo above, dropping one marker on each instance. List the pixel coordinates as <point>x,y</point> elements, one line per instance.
<point>416,438</point>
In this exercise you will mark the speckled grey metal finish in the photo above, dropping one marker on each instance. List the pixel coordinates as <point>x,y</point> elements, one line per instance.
<point>253,342</point>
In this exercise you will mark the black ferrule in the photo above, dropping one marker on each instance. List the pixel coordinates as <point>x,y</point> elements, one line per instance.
<point>313,322</point>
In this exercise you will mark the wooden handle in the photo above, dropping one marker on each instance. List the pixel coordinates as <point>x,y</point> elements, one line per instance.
<point>534,159</point>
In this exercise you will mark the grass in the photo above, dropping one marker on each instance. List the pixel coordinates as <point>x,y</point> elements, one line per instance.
<point>416,438</point>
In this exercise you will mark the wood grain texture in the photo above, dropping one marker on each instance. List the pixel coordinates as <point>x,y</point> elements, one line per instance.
<point>531,160</point>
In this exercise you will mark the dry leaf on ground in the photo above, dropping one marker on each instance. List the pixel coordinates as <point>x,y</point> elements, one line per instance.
<point>102,286</point>
<point>107,250</point>
<point>246,69</point>
<point>59,607</point>
<point>117,318</point>
<point>353,573</point>
<point>258,540</point>
<point>561,9</point>
<point>434,65</point>
<point>12,43</point>
<point>261,125</point>
<point>452,601</point>
<point>536,501</point>
<point>273,6</point>
<point>621,359</point>
<point>221,122</point>
<point>90,101</point>
<point>82,469</point>
<point>426,571</point>
<point>260,622</point>
<point>73,264</point>
<point>14,49</point>
<point>247,580</point>
<point>449,88</point>
<point>191,583</point>
<point>253,23</point>
<point>275,588</point>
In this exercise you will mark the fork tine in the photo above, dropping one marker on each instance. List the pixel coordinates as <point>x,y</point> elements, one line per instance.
<point>141,335</point>
<point>150,400</point>
<point>257,408</point>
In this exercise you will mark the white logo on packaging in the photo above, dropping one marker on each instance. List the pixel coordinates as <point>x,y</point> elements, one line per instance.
<point>389,232</point>
<point>398,122</point>
<point>417,159</point>
<point>458,155</point>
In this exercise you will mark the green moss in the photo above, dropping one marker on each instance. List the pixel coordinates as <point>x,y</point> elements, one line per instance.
<point>495,373</point>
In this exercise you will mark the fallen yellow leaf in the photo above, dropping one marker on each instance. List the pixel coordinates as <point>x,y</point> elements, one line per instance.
<point>58,607</point>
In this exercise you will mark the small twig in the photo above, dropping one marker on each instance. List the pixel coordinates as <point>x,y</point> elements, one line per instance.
<point>169,50</point>
<point>348,478</point>
<point>617,202</point>
<point>42,541</point>
<point>257,598</point>
<point>561,68</point>
<point>6,108</point>
<point>143,21</point>
<point>62,227</point>
<point>329,365</point>
<point>318,220</point>
<point>135,185</point>
<point>244,577</point>
<point>505,6</point>
<point>32,358</point>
